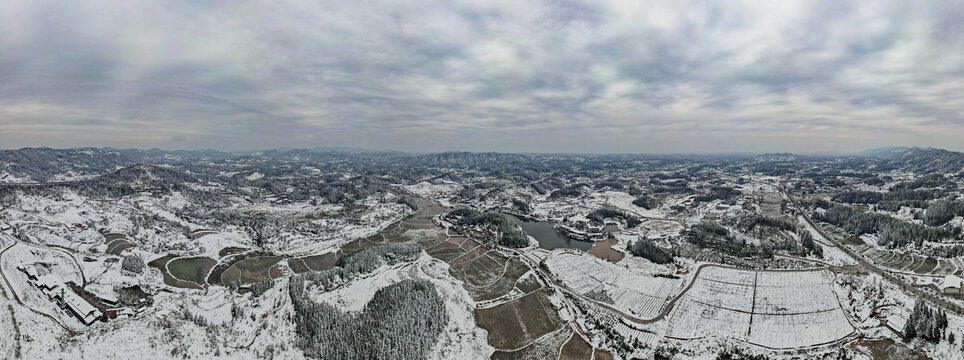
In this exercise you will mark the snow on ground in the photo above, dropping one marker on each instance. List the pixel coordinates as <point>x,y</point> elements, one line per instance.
<point>777,309</point>
<point>341,231</point>
<point>630,283</point>
<point>440,192</point>
<point>52,262</point>
<point>461,339</point>
<point>831,254</point>
<point>213,243</point>
<point>621,200</point>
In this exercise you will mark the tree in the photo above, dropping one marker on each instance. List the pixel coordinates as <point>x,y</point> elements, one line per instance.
<point>133,263</point>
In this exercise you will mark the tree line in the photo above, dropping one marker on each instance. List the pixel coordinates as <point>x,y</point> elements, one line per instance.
<point>892,232</point>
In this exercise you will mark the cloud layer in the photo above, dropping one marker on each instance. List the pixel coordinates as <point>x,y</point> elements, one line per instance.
<point>545,76</point>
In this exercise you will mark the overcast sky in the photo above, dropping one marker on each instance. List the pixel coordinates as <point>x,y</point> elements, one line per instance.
<point>514,75</point>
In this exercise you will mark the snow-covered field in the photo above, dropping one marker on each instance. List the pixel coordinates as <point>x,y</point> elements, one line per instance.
<point>775,309</point>
<point>630,282</point>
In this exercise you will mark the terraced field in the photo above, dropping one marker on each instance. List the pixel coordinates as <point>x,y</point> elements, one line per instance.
<point>191,269</point>
<point>116,243</point>
<point>912,263</point>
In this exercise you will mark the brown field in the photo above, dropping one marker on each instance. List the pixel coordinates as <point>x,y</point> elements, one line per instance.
<point>161,264</point>
<point>528,284</point>
<point>928,266</point>
<point>603,355</point>
<point>256,268</point>
<point>469,256</point>
<point>117,246</point>
<point>113,236</point>
<point>227,262</point>
<point>484,278</point>
<point>230,275</point>
<point>275,271</point>
<point>481,271</point>
<point>576,349</point>
<point>320,262</point>
<point>298,266</point>
<point>887,349</point>
<point>604,250</point>
<point>514,324</point>
<point>445,251</point>
<point>547,348</point>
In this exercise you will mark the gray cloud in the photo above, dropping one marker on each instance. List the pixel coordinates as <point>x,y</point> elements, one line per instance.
<point>595,76</point>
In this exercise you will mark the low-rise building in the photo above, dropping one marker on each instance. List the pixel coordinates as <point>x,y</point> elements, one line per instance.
<point>65,297</point>
<point>951,285</point>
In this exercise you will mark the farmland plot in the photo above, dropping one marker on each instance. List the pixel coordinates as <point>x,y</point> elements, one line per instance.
<point>633,288</point>
<point>912,263</point>
<point>776,309</point>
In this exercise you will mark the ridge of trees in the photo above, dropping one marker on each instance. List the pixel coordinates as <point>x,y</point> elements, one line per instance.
<point>893,233</point>
<point>598,215</point>
<point>650,251</point>
<point>646,202</point>
<point>409,201</point>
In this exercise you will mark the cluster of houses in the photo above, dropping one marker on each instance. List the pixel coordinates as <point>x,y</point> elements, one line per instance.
<point>66,298</point>
<point>595,232</point>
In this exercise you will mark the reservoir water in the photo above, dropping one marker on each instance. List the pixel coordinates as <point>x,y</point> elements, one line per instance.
<point>548,237</point>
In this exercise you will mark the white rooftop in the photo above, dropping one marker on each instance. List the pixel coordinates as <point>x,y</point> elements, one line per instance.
<point>951,281</point>
<point>81,306</point>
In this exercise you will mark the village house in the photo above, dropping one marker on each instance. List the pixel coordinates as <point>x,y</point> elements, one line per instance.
<point>951,285</point>
<point>65,297</point>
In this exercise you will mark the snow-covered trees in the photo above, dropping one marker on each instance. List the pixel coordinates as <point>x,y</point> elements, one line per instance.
<point>409,201</point>
<point>926,323</point>
<point>599,215</point>
<point>717,237</point>
<point>873,197</point>
<point>646,202</point>
<point>892,232</point>
<point>811,247</point>
<point>402,321</point>
<point>511,235</point>
<point>362,262</point>
<point>941,211</point>
<point>133,263</point>
<point>650,251</point>
<point>260,287</point>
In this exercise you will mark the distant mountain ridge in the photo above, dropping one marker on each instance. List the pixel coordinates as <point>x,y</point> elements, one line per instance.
<point>42,164</point>
<point>923,160</point>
